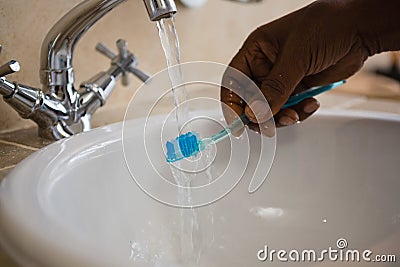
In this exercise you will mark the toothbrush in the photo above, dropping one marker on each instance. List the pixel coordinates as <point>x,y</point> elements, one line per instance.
<point>190,144</point>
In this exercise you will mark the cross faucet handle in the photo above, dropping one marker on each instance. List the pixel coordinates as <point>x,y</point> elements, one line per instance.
<point>123,55</point>
<point>103,49</point>
<point>10,67</point>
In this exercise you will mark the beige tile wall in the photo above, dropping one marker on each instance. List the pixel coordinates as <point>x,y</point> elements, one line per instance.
<point>213,32</point>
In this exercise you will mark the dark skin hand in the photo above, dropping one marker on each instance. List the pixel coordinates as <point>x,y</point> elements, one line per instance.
<point>324,42</point>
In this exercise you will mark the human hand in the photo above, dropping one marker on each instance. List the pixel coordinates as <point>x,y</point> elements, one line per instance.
<point>316,45</point>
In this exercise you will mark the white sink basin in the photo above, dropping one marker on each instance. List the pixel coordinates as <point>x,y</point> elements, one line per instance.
<point>336,176</point>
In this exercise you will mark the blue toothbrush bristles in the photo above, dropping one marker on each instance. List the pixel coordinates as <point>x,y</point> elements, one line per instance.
<point>188,144</point>
<point>184,146</point>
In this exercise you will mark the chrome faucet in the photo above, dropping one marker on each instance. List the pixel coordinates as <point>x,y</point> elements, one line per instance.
<point>58,108</point>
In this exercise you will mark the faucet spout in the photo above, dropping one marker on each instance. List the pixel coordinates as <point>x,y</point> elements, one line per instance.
<point>159,9</point>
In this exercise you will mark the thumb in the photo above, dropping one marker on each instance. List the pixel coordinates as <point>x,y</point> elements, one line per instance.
<point>277,87</point>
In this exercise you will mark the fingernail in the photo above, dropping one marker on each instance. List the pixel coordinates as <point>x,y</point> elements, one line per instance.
<point>286,121</point>
<point>259,110</point>
<point>311,107</point>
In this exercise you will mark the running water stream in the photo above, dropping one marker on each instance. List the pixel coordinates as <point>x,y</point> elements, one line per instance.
<point>192,240</point>
<point>170,43</point>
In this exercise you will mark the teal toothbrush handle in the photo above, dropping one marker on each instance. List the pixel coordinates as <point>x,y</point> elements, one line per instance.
<point>295,99</point>
<point>235,126</point>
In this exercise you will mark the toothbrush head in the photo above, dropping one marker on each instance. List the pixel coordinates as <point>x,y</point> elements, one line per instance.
<point>184,146</point>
